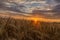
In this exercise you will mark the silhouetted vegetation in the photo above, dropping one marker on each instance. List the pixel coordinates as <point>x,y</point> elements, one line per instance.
<point>15,29</point>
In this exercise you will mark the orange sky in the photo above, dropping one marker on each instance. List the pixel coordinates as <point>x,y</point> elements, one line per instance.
<point>36,19</point>
<point>30,18</point>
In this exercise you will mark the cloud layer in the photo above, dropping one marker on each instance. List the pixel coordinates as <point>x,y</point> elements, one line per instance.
<point>25,7</point>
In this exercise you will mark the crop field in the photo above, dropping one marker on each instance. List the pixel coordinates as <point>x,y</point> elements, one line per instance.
<point>16,29</point>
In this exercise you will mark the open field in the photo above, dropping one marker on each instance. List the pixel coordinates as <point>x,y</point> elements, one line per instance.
<point>21,29</point>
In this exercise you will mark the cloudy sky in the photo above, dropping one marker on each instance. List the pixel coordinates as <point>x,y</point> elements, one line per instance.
<point>25,7</point>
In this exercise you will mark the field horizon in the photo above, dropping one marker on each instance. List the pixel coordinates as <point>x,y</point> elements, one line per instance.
<point>27,16</point>
<point>14,28</point>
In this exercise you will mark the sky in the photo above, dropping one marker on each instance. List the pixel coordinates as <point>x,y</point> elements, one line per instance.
<point>28,7</point>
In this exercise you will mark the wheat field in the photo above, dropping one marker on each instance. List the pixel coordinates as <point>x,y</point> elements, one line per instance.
<point>15,29</point>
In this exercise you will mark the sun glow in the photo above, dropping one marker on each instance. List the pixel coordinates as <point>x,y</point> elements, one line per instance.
<point>35,20</point>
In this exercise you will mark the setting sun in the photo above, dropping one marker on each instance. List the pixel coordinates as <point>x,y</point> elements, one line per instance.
<point>35,20</point>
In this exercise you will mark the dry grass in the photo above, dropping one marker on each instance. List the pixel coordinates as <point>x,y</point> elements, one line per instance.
<point>14,29</point>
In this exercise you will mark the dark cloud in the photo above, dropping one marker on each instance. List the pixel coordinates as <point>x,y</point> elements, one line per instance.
<point>57,8</point>
<point>58,1</point>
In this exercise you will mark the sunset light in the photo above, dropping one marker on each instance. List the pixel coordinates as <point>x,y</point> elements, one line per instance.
<point>29,19</point>
<point>35,20</point>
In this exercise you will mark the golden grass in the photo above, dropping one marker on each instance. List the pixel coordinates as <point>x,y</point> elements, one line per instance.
<point>20,29</point>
